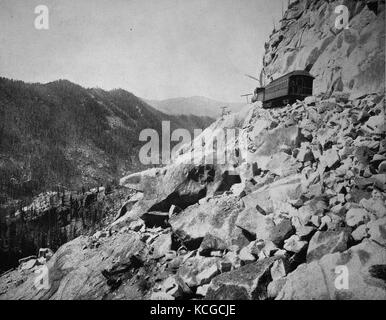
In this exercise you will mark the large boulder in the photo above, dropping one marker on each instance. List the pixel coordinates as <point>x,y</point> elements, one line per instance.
<point>294,244</point>
<point>211,243</point>
<point>349,275</point>
<point>270,142</point>
<point>175,287</point>
<point>276,231</point>
<point>178,184</point>
<point>128,205</point>
<point>76,272</point>
<point>265,227</point>
<point>356,217</point>
<point>312,208</point>
<point>376,207</point>
<point>274,195</point>
<point>250,219</point>
<point>330,159</point>
<point>325,242</point>
<point>216,216</point>
<point>377,231</point>
<point>246,283</point>
<point>161,246</point>
<point>198,270</point>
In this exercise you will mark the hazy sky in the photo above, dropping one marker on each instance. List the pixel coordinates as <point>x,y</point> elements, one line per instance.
<point>157,49</point>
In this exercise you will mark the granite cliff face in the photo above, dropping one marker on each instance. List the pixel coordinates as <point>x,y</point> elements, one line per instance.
<point>349,59</point>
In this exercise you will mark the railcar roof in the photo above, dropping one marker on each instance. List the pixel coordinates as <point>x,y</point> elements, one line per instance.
<point>293,73</point>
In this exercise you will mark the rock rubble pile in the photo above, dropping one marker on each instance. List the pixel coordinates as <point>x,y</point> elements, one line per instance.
<point>309,201</point>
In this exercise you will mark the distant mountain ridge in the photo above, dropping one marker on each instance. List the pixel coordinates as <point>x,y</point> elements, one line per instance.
<point>196,105</point>
<point>60,133</point>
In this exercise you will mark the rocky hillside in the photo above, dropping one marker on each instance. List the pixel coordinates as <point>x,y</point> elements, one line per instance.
<point>350,60</point>
<point>193,106</point>
<point>62,134</point>
<point>298,210</point>
<point>279,222</point>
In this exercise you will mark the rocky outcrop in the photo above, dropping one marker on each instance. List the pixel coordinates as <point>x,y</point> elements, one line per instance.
<point>247,283</point>
<point>320,280</point>
<point>176,185</point>
<point>266,235</point>
<point>76,273</point>
<point>212,216</point>
<point>348,59</point>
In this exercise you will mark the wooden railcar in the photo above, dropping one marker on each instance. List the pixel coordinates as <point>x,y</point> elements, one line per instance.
<point>293,86</point>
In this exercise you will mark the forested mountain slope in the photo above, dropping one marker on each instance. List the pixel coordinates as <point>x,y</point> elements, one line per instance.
<point>60,133</point>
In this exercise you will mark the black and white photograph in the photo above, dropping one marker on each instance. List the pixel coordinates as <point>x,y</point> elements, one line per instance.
<point>192,154</point>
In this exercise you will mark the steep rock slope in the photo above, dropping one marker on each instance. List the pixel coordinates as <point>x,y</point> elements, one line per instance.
<point>350,59</point>
<point>308,198</point>
<point>302,196</point>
